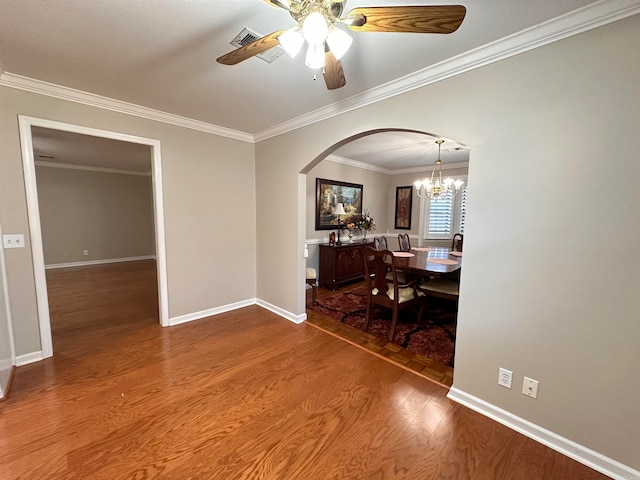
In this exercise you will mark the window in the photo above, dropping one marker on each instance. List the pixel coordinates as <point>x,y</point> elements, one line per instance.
<point>445,217</point>
<point>440,218</point>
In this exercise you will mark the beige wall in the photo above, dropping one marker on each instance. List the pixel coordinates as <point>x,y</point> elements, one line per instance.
<point>108,214</point>
<point>546,290</point>
<point>206,196</point>
<point>374,187</point>
<point>6,346</point>
<point>379,197</point>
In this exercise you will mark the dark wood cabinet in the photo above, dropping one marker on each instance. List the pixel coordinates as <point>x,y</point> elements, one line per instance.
<point>341,264</point>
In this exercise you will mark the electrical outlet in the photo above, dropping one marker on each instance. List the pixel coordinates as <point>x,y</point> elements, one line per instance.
<point>504,377</point>
<point>530,387</point>
<point>85,252</point>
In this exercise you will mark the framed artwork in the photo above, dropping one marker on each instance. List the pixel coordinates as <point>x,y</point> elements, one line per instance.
<point>404,196</point>
<point>331,192</point>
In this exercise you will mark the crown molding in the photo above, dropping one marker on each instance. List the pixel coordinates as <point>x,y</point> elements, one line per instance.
<point>71,166</point>
<point>388,171</point>
<point>428,168</point>
<point>65,93</point>
<point>357,164</point>
<point>575,22</point>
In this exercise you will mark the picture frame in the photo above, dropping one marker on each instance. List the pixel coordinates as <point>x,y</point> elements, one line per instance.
<point>404,200</point>
<point>331,192</point>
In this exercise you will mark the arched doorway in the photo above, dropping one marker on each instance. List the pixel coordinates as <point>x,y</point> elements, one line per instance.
<point>383,161</point>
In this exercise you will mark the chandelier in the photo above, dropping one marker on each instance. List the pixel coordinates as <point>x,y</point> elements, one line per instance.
<point>436,188</point>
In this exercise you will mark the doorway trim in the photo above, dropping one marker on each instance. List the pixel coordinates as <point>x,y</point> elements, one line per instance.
<point>28,162</point>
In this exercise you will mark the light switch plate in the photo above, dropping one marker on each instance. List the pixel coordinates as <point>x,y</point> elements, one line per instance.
<point>13,240</point>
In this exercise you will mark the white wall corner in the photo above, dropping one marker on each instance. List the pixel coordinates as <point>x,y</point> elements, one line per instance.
<point>571,449</point>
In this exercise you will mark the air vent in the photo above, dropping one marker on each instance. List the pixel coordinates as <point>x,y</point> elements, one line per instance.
<point>246,36</point>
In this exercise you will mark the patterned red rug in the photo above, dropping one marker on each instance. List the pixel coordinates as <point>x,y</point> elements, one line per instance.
<point>434,339</point>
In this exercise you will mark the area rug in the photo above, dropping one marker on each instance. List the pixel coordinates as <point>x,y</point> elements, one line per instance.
<point>434,338</point>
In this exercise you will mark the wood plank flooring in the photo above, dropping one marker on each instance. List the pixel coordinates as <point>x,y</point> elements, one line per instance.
<point>414,362</point>
<point>242,395</point>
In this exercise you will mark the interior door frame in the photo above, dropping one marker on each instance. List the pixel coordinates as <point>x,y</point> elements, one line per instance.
<point>28,162</point>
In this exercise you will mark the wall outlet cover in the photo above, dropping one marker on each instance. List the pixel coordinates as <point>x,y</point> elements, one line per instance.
<point>504,377</point>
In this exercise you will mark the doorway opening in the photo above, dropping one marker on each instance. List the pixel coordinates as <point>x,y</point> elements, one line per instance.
<point>27,126</point>
<point>384,162</point>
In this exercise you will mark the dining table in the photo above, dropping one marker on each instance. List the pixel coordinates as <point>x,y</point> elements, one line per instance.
<point>429,261</point>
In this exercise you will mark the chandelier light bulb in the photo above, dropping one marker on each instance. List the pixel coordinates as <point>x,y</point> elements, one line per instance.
<point>315,28</point>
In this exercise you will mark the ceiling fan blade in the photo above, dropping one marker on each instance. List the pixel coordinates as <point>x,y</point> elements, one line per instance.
<point>412,19</point>
<point>333,73</point>
<point>279,3</point>
<point>261,45</point>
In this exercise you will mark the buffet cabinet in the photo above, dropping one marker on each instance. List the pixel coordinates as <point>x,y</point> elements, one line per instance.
<point>341,264</point>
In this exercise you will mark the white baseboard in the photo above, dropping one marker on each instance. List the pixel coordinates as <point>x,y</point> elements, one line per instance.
<point>189,317</point>
<point>98,262</point>
<point>283,313</point>
<point>571,449</point>
<point>28,358</point>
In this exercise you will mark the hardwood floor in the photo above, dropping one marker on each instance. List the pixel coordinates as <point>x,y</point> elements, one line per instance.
<point>242,395</point>
<point>416,363</point>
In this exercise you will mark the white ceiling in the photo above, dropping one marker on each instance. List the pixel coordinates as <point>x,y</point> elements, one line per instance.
<point>161,54</point>
<point>68,148</point>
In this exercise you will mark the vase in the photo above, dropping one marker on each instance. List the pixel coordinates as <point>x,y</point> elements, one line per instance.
<point>350,236</point>
<point>364,236</point>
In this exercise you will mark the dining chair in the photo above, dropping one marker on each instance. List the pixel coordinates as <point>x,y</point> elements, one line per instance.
<point>456,243</point>
<point>385,290</point>
<point>448,289</point>
<point>312,279</point>
<point>380,243</point>
<point>403,242</point>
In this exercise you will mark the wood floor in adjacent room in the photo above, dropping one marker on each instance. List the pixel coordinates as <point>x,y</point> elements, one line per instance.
<point>413,362</point>
<point>242,395</point>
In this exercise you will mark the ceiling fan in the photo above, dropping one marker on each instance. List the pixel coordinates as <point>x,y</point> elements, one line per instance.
<point>320,23</point>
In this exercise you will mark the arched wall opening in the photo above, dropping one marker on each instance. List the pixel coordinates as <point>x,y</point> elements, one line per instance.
<point>378,193</point>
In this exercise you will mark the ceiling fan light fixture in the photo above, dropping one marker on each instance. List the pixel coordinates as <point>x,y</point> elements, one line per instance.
<point>315,28</point>
<point>291,41</point>
<point>339,41</point>
<point>315,56</point>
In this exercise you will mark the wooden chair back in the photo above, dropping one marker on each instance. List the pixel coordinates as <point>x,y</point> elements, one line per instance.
<point>403,242</point>
<point>380,243</point>
<point>383,287</point>
<point>377,264</point>
<point>456,243</point>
